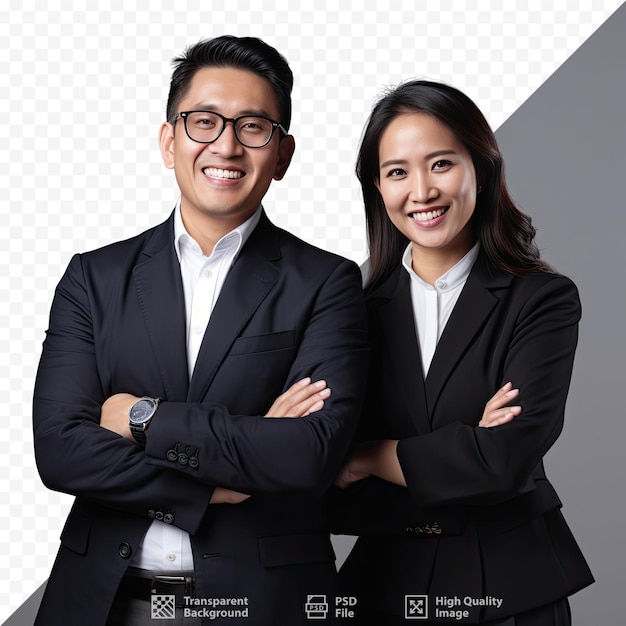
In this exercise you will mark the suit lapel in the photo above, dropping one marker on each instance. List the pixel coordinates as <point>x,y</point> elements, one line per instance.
<point>471,312</point>
<point>400,342</point>
<point>162,301</point>
<point>249,281</point>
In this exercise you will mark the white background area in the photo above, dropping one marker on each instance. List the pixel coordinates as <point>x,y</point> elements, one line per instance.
<point>83,95</point>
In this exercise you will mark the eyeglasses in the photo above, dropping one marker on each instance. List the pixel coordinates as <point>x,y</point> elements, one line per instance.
<point>252,131</point>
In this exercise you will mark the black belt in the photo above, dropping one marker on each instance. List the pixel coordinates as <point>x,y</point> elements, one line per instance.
<point>144,584</point>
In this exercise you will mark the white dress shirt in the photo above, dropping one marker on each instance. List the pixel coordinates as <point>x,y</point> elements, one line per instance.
<point>166,547</point>
<point>433,304</point>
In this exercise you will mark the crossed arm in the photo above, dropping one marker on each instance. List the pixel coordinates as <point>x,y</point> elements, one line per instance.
<point>75,454</point>
<point>377,458</point>
<point>302,398</point>
<point>380,458</point>
<point>461,464</point>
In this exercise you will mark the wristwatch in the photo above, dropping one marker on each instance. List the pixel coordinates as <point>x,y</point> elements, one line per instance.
<point>140,415</point>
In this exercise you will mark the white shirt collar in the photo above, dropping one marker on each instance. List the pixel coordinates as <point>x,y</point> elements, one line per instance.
<point>454,277</point>
<point>235,238</point>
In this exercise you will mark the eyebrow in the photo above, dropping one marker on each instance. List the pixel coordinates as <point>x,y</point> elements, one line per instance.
<point>429,156</point>
<point>205,106</point>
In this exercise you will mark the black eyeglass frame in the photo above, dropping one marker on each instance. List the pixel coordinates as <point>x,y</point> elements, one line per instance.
<point>185,114</point>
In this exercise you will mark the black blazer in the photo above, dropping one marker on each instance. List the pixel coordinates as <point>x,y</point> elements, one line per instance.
<point>286,310</point>
<point>479,517</point>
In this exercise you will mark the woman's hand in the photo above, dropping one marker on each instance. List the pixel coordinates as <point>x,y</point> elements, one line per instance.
<point>372,458</point>
<point>496,410</point>
<point>354,469</point>
<point>302,398</point>
<point>380,458</point>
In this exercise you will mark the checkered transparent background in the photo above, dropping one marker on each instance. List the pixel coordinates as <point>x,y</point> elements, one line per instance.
<point>83,96</point>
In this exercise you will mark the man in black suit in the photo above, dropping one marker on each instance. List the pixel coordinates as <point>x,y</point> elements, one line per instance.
<point>167,355</point>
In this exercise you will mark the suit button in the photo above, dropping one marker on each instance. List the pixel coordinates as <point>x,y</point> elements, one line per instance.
<point>158,515</point>
<point>125,550</point>
<point>172,455</point>
<point>193,462</point>
<point>151,513</point>
<point>168,518</point>
<point>183,459</point>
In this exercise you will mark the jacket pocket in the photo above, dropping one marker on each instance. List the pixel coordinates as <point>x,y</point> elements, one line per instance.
<point>75,533</point>
<point>290,549</point>
<point>264,343</point>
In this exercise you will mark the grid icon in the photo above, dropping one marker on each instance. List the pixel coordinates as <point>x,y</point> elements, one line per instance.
<point>163,607</point>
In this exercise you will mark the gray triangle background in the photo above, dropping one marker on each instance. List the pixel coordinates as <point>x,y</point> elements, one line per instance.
<point>564,149</point>
<point>565,154</point>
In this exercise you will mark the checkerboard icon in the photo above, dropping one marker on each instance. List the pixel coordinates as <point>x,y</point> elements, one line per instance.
<point>162,607</point>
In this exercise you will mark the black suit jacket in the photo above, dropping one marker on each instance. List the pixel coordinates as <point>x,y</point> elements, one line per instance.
<point>286,310</point>
<point>479,517</point>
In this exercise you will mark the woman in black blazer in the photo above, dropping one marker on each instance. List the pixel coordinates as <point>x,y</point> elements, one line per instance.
<point>457,520</point>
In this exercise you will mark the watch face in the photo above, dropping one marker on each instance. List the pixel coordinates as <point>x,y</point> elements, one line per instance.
<point>142,411</point>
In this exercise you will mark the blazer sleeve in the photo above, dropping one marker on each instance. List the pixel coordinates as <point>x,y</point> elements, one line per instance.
<point>248,452</point>
<point>461,464</point>
<point>74,453</point>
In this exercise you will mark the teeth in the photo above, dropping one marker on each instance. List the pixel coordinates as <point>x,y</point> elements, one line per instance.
<point>428,215</point>
<point>214,172</point>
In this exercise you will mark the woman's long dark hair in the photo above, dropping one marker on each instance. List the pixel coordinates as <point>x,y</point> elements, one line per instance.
<point>505,233</point>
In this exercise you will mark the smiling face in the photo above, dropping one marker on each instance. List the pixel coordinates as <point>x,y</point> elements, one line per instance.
<point>223,183</point>
<point>428,184</point>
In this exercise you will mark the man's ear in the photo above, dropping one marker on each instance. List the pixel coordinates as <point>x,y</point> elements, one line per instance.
<point>166,143</point>
<point>286,149</point>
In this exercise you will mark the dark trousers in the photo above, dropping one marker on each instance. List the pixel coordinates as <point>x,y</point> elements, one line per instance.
<point>140,602</point>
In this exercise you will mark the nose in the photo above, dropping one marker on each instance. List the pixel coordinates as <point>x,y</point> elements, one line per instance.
<point>227,144</point>
<point>423,188</point>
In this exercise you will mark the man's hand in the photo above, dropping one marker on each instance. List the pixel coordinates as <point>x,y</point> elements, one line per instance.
<point>114,414</point>
<point>221,495</point>
<point>302,398</point>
